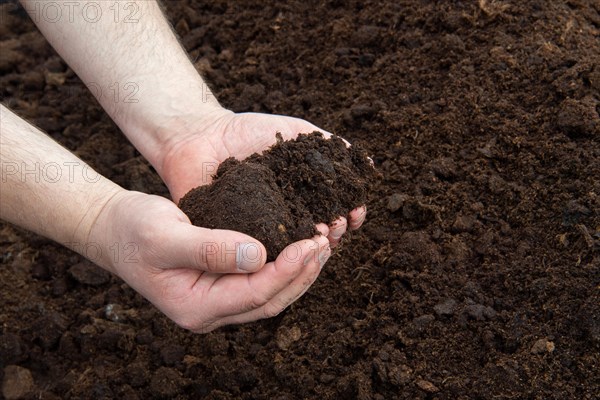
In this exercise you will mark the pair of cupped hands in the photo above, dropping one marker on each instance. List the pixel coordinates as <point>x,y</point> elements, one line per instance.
<point>206,278</point>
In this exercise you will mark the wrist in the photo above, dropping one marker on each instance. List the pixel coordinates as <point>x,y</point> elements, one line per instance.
<point>101,234</point>
<point>178,131</point>
<point>156,129</point>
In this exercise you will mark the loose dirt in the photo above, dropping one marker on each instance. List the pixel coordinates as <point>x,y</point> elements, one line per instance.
<point>278,196</point>
<point>477,272</point>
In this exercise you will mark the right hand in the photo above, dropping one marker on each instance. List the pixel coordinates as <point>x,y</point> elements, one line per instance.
<point>219,134</point>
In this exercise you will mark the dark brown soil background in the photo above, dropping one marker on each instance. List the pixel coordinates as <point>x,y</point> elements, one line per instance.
<point>279,195</point>
<point>476,275</point>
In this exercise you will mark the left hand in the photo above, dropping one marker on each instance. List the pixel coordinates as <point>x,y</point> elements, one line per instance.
<point>200,278</point>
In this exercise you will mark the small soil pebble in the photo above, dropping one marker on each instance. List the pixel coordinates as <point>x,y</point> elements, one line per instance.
<point>17,382</point>
<point>166,383</point>
<point>12,349</point>
<point>427,386</point>
<point>278,196</point>
<point>446,307</point>
<point>542,346</point>
<point>396,201</point>
<point>286,336</point>
<point>89,274</point>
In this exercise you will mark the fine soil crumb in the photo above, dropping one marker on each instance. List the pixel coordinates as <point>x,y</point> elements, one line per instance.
<point>278,196</point>
<point>17,382</point>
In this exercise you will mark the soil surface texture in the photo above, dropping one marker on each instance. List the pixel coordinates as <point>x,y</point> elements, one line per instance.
<point>278,196</point>
<point>477,272</point>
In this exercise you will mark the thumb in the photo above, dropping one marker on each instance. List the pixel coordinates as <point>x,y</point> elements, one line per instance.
<point>212,250</point>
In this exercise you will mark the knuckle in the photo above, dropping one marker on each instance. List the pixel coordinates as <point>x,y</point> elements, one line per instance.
<point>274,308</point>
<point>206,255</point>
<point>199,258</point>
<point>259,297</point>
<point>186,323</point>
<point>151,236</point>
<point>196,326</point>
<point>250,304</point>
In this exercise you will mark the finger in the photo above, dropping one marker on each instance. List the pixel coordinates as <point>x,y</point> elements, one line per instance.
<point>328,135</point>
<point>309,273</point>
<point>323,229</point>
<point>182,245</point>
<point>357,217</point>
<point>336,229</point>
<point>254,291</point>
<point>302,126</point>
<point>272,290</point>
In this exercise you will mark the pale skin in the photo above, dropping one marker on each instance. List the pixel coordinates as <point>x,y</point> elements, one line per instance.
<point>200,278</point>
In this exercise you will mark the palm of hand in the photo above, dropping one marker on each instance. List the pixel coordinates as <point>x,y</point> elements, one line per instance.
<point>193,159</point>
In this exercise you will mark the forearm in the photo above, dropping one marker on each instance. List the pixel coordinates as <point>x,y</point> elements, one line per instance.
<point>45,188</point>
<point>131,60</point>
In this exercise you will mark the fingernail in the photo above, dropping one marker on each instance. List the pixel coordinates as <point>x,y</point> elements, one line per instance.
<point>324,255</point>
<point>364,211</point>
<point>361,218</point>
<point>337,229</point>
<point>309,258</point>
<point>247,256</point>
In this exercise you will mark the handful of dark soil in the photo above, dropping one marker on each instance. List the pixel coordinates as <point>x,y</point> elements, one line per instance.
<point>278,196</point>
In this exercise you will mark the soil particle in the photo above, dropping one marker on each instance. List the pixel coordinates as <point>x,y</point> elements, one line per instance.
<point>422,214</point>
<point>457,250</point>
<point>60,286</point>
<point>89,274</point>
<point>396,201</point>
<point>446,307</point>
<point>423,321</point>
<point>419,248</point>
<point>172,354</point>
<point>479,312</point>
<point>40,271</point>
<point>286,336</point>
<point>12,349</point>
<point>245,197</point>
<point>580,118</point>
<point>363,111</point>
<point>166,382</point>
<point>463,223</point>
<point>444,167</point>
<point>17,382</point>
<point>47,329</point>
<point>588,318</point>
<point>542,346</point>
<point>427,386</point>
<point>144,336</point>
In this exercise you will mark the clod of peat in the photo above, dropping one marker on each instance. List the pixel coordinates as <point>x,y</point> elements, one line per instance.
<point>278,196</point>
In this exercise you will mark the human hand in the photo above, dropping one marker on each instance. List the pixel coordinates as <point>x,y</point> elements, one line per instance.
<point>198,277</point>
<point>194,152</point>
